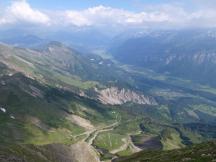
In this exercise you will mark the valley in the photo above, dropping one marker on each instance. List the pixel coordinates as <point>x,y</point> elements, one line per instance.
<point>78,107</point>
<point>107,81</point>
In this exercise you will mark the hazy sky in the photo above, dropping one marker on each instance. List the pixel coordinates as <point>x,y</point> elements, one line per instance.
<point>132,5</point>
<point>104,13</point>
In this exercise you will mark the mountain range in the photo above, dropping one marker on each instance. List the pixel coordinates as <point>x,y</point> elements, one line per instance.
<point>171,53</point>
<point>155,91</point>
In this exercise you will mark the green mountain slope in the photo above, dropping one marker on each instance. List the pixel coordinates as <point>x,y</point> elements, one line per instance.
<point>54,95</point>
<point>39,114</point>
<point>46,153</point>
<point>59,65</point>
<point>205,152</point>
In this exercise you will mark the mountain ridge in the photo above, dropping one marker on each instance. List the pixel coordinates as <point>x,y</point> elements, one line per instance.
<point>80,100</point>
<point>176,52</point>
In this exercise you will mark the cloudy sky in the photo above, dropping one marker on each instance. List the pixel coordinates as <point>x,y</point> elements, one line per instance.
<point>108,13</point>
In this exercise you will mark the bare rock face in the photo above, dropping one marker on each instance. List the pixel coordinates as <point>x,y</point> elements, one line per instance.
<point>116,96</point>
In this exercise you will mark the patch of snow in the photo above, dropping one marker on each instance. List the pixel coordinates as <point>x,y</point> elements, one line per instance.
<point>12,117</point>
<point>92,59</point>
<point>101,63</point>
<point>3,109</point>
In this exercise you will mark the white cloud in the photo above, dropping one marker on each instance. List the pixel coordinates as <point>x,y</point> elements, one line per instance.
<point>21,11</point>
<point>203,18</point>
<point>169,15</point>
<point>101,15</point>
<point>76,18</point>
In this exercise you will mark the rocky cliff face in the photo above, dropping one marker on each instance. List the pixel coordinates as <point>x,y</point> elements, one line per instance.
<point>116,96</point>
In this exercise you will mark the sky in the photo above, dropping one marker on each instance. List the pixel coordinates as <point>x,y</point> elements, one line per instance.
<point>62,14</point>
<point>83,4</point>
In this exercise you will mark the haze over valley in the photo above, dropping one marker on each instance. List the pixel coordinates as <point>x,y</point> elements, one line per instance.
<point>107,81</point>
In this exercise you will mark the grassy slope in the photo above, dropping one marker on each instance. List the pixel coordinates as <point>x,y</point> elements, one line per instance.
<point>171,139</point>
<point>32,153</point>
<point>40,112</point>
<point>71,70</point>
<point>205,152</point>
<point>175,102</point>
<point>109,141</point>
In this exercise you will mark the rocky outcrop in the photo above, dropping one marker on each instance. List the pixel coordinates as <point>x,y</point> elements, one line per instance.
<point>116,96</point>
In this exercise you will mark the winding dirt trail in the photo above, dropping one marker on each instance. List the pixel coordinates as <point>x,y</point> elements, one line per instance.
<point>127,143</point>
<point>121,148</point>
<point>86,145</point>
<point>92,136</point>
<point>132,146</point>
<point>92,132</point>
